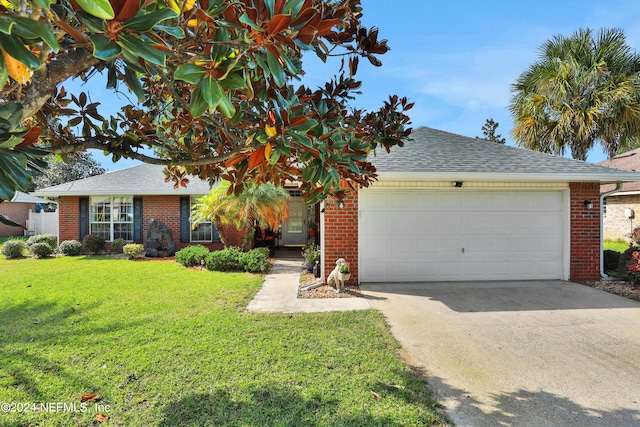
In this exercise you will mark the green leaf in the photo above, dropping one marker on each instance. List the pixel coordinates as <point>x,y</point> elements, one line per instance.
<point>7,221</point>
<point>198,103</point>
<point>30,29</point>
<point>176,32</point>
<point>11,142</point>
<point>189,73</point>
<point>306,126</point>
<point>276,69</point>
<point>92,23</point>
<point>292,68</point>
<point>292,7</point>
<point>104,48</point>
<point>16,49</point>
<point>132,80</point>
<point>148,21</point>
<point>6,24</point>
<point>211,92</point>
<point>226,106</point>
<point>246,20</point>
<point>4,73</point>
<point>233,81</point>
<point>137,46</point>
<point>98,8</point>
<point>14,165</point>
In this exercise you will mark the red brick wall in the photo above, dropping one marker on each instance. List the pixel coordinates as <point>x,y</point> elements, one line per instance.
<point>341,235</point>
<point>161,208</point>
<point>585,231</point>
<point>17,212</point>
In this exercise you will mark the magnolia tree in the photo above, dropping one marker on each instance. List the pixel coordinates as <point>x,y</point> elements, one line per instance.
<point>217,85</point>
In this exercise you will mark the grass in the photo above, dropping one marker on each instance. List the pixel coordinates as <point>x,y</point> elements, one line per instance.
<point>166,346</point>
<point>619,245</point>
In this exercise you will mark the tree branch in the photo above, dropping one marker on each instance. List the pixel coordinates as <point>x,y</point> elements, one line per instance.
<point>43,85</point>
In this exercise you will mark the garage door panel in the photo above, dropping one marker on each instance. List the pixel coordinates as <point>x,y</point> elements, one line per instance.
<point>420,235</point>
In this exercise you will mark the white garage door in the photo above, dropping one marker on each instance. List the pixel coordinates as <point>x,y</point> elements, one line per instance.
<point>460,235</point>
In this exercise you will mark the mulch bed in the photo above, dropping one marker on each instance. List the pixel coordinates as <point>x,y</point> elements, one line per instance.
<point>325,291</point>
<point>617,287</point>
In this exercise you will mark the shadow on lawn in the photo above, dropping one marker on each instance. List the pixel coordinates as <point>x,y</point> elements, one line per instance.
<point>29,329</point>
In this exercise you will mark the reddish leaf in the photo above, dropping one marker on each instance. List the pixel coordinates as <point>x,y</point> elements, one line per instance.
<point>125,9</point>
<point>256,158</point>
<point>278,23</point>
<point>75,34</point>
<point>297,121</point>
<point>100,418</point>
<point>89,396</point>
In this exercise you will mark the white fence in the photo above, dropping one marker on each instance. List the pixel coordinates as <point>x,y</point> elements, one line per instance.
<point>42,223</point>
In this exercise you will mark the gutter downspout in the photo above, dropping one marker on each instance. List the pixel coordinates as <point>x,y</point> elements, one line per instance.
<point>602,196</point>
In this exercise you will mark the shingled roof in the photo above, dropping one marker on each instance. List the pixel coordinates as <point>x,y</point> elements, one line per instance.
<point>138,180</point>
<point>629,161</point>
<point>435,154</point>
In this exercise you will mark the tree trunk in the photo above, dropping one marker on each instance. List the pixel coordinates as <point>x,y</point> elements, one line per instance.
<point>248,232</point>
<point>221,232</point>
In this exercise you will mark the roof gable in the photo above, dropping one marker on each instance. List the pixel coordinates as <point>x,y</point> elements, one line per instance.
<point>434,154</point>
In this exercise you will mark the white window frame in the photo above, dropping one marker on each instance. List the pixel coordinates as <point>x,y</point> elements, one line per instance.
<point>113,211</point>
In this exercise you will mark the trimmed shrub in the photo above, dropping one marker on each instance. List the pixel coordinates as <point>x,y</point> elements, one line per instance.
<point>117,245</point>
<point>93,243</point>
<point>611,261</point>
<point>40,249</point>
<point>133,250</point>
<point>50,239</point>
<point>224,260</point>
<point>70,248</point>
<point>13,248</point>
<point>265,250</point>
<point>192,256</point>
<point>255,261</point>
<point>624,260</point>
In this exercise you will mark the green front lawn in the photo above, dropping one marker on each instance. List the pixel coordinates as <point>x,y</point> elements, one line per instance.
<point>167,346</point>
<point>618,245</point>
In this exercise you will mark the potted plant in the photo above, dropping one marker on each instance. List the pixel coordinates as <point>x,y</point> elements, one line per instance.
<point>313,228</point>
<point>345,272</point>
<point>312,258</point>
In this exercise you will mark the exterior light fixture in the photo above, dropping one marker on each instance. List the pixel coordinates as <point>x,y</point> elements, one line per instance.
<point>341,204</point>
<point>457,184</point>
<point>588,204</point>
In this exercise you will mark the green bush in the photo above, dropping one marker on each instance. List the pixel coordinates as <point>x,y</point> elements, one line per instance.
<point>40,249</point>
<point>133,250</point>
<point>611,261</point>
<point>70,248</point>
<point>117,245</point>
<point>192,256</point>
<point>255,261</point>
<point>93,243</point>
<point>13,248</point>
<point>264,250</point>
<point>224,260</point>
<point>50,239</point>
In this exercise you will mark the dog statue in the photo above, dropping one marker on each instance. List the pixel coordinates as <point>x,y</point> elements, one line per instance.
<point>335,278</point>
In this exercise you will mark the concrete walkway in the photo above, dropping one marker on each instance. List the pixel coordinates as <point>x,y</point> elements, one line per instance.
<point>279,294</point>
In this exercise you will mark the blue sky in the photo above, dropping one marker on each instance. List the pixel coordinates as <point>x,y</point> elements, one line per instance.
<point>457,59</point>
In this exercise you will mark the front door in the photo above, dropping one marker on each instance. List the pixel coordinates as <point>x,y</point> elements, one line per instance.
<point>294,229</point>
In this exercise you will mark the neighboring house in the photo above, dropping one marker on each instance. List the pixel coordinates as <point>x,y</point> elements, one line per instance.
<point>448,207</point>
<point>18,211</point>
<point>622,208</point>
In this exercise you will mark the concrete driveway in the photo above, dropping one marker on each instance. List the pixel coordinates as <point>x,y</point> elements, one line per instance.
<point>543,353</point>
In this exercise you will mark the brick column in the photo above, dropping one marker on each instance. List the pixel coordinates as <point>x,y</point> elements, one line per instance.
<point>340,238</point>
<point>68,217</point>
<point>585,231</point>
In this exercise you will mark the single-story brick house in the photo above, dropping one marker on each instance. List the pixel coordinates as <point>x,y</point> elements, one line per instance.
<point>449,207</point>
<point>17,210</point>
<point>622,207</point>
<point>445,207</point>
<point>121,203</point>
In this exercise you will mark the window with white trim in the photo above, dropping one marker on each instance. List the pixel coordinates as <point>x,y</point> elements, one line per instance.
<point>205,231</point>
<point>111,217</point>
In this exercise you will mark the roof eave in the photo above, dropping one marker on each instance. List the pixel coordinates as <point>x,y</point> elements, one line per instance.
<point>185,192</point>
<point>508,177</point>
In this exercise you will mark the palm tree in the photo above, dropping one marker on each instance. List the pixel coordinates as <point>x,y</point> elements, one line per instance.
<point>585,89</point>
<point>261,204</point>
